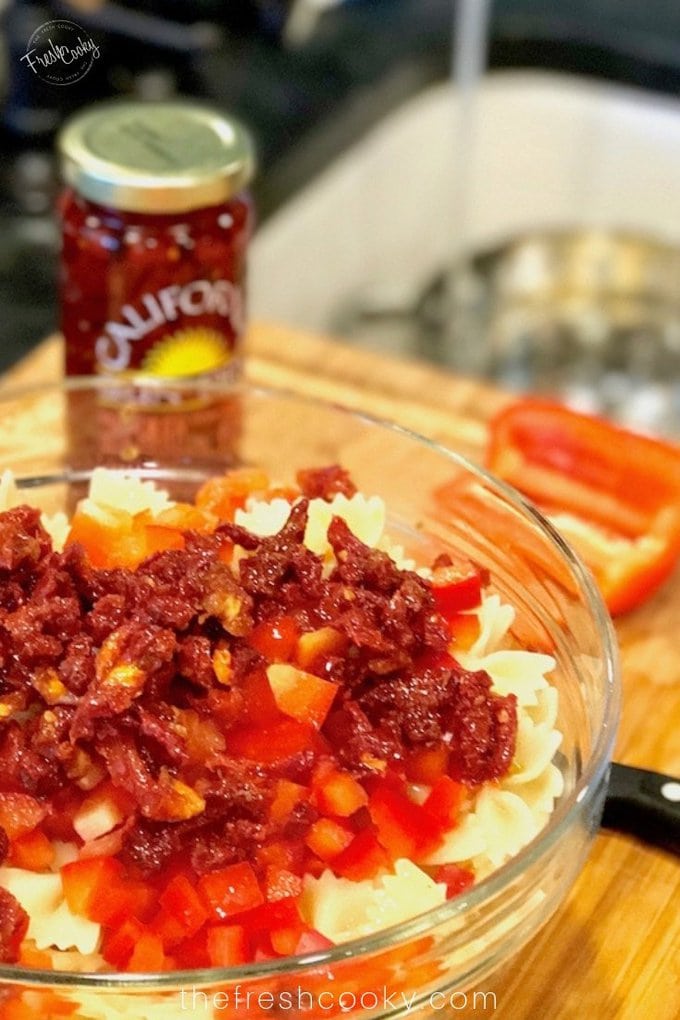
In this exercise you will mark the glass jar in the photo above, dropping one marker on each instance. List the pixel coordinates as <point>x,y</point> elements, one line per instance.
<point>155,224</point>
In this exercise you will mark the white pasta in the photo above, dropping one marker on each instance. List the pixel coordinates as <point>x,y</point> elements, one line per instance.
<point>341,909</point>
<point>364,516</point>
<point>495,620</point>
<point>122,490</point>
<point>64,930</point>
<point>508,824</point>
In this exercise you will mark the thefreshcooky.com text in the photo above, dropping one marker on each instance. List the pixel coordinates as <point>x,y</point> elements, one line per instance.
<point>195,1000</point>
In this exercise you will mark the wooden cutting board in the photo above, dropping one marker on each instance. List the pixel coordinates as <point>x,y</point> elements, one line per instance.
<point>613,951</point>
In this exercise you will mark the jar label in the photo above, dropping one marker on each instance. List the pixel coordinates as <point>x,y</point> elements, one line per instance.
<point>210,318</point>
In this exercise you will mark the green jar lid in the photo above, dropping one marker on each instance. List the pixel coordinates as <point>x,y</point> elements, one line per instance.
<point>167,157</point>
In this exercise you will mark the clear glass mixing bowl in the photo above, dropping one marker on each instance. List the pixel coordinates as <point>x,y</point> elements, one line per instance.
<point>53,436</point>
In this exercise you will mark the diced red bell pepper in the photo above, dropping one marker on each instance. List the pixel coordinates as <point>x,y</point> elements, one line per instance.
<point>168,929</point>
<point>622,485</point>
<point>327,838</point>
<point>182,902</point>
<point>227,945</point>
<point>316,645</point>
<point>231,891</point>
<point>258,704</point>
<point>363,858</point>
<point>300,695</point>
<point>113,903</point>
<point>338,793</point>
<point>427,764</point>
<point>312,941</point>
<point>120,943</point>
<point>32,851</point>
<point>275,639</point>
<point>280,883</point>
<point>274,743</point>
<point>283,913</point>
<point>186,517</point>
<point>405,829</point>
<point>455,878</point>
<point>193,952</point>
<point>444,802</point>
<point>286,796</point>
<point>284,853</point>
<point>464,629</point>
<point>19,814</point>
<point>457,587</point>
<point>88,880</point>
<point>147,955</point>
<point>224,495</point>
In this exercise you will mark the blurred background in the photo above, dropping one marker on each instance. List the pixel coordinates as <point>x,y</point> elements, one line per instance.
<point>493,186</point>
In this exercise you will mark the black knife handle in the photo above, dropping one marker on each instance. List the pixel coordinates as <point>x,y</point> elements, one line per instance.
<point>644,803</point>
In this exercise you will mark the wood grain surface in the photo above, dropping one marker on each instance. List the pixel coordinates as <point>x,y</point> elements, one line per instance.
<point>612,952</point>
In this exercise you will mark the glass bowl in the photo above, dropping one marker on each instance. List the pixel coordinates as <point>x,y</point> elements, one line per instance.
<point>52,436</point>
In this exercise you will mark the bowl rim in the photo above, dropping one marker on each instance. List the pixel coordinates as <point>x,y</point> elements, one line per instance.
<point>594,769</point>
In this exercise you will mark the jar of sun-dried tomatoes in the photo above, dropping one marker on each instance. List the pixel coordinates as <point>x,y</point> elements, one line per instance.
<point>156,221</point>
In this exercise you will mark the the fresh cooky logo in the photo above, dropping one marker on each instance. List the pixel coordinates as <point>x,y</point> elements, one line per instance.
<point>60,52</point>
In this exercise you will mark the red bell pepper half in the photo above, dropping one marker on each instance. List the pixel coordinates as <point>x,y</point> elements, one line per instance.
<point>615,493</point>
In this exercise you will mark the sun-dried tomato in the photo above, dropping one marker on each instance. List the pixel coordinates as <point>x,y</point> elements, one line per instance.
<point>326,482</point>
<point>146,678</point>
<point>13,927</point>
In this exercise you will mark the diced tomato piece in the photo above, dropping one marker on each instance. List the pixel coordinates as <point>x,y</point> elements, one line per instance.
<point>275,639</point>
<point>274,743</point>
<point>19,814</point>
<point>228,945</point>
<point>231,890</point>
<point>455,878</point>
<point>444,802</point>
<point>113,903</point>
<point>32,851</point>
<point>281,883</point>
<point>457,587</point>
<point>427,764</point>
<point>363,858</point>
<point>120,943</point>
<point>147,955</point>
<point>327,838</point>
<point>181,901</point>
<point>286,796</point>
<point>84,881</point>
<point>404,828</point>
<point>224,496</point>
<point>338,793</point>
<point>300,695</point>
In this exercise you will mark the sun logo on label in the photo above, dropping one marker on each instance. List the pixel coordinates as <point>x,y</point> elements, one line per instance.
<point>187,352</point>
